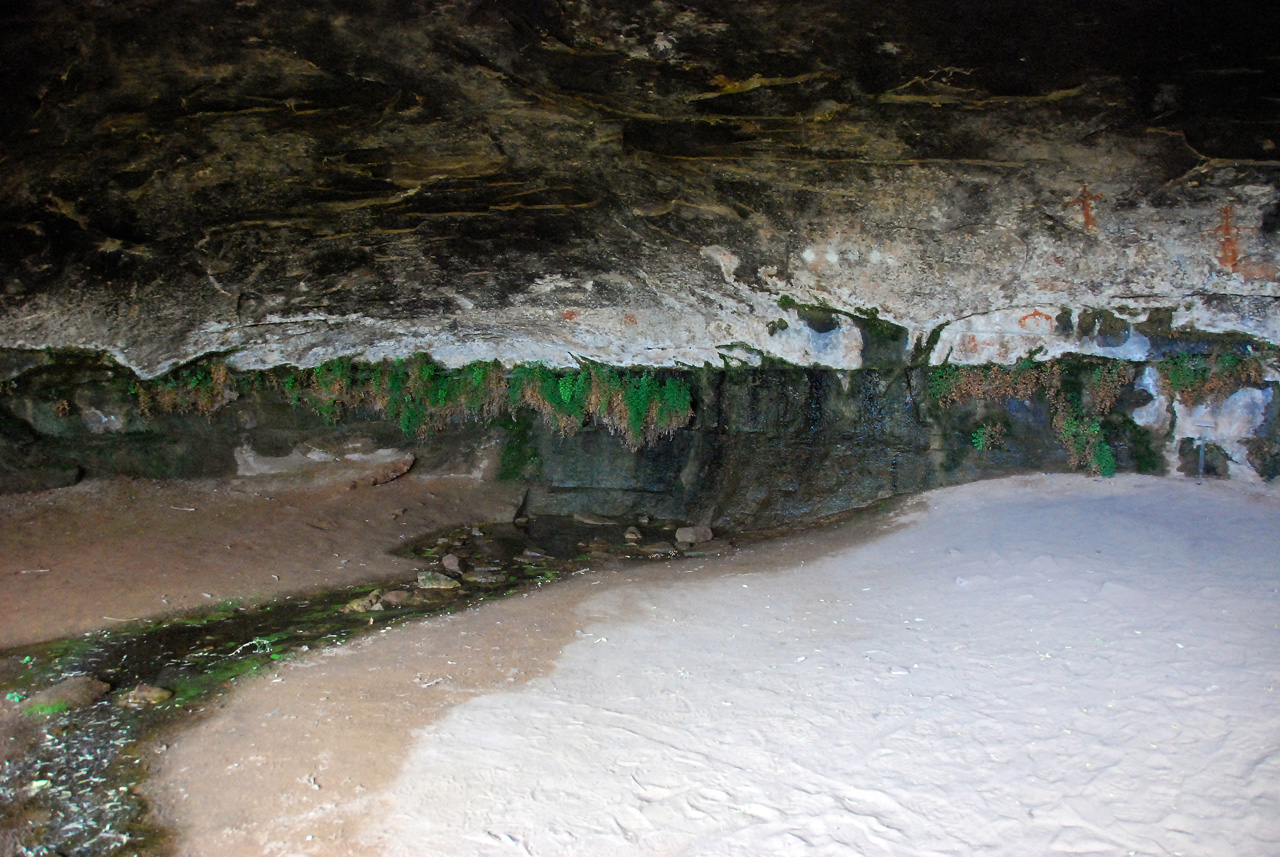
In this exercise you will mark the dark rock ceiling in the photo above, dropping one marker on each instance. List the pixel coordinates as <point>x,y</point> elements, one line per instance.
<point>174,168</point>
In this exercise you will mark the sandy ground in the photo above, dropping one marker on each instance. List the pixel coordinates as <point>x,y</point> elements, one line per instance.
<point>1038,665</point>
<point>104,552</point>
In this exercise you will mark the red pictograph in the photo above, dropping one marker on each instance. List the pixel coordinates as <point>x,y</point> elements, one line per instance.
<point>1228,235</point>
<point>1035,316</point>
<point>1085,200</point>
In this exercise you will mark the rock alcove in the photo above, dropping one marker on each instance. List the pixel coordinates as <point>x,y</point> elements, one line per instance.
<point>733,264</point>
<point>808,217</point>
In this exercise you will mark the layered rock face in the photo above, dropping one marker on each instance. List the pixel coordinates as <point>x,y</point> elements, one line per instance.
<point>666,184</point>
<point>623,182</point>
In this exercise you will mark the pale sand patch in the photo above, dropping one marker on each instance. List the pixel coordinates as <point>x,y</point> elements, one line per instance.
<point>1037,665</point>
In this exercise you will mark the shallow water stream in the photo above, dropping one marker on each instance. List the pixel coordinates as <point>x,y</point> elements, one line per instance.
<point>76,791</point>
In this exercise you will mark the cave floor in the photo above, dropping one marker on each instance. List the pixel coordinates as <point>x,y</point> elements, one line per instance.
<point>1043,664</point>
<point>107,552</point>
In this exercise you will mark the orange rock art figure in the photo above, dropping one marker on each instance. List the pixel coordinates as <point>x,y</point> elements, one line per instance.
<point>1035,316</point>
<point>1228,235</point>
<point>1085,200</point>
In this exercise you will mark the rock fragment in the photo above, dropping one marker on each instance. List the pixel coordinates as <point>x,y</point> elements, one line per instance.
<point>484,577</point>
<point>435,580</point>
<point>143,696</point>
<point>694,535</point>
<point>364,603</point>
<point>75,692</point>
<point>398,597</point>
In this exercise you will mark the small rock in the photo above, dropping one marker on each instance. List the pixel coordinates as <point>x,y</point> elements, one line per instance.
<point>484,577</point>
<point>632,534</point>
<point>436,580</point>
<point>393,470</point>
<point>398,597</point>
<point>363,604</point>
<point>75,692</point>
<point>592,520</point>
<point>694,535</point>
<point>142,696</point>
<point>659,549</point>
<point>451,562</point>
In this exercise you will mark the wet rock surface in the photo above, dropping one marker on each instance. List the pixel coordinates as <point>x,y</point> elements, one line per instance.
<point>758,446</point>
<point>541,547</point>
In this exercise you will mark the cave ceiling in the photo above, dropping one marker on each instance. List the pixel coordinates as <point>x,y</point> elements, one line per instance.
<point>628,182</point>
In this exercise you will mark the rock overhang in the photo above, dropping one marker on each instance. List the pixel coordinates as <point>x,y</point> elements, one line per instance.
<point>660,186</point>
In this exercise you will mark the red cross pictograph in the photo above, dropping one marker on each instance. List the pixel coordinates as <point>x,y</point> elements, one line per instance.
<point>1085,201</point>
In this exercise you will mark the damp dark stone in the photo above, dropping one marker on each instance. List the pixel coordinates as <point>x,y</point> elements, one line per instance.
<point>1216,461</point>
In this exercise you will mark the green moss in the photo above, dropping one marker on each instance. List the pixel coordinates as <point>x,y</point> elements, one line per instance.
<point>1186,371</point>
<point>520,459</point>
<point>1212,377</point>
<point>639,394</point>
<point>943,380</point>
<point>1147,459</point>
<point>675,402</point>
<point>988,437</point>
<point>46,709</point>
<point>877,328</point>
<point>416,393</point>
<point>1079,392</point>
<point>922,349</point>
<point>1103,460</point>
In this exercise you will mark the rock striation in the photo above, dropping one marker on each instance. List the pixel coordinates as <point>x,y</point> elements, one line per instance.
<point>638,184</point>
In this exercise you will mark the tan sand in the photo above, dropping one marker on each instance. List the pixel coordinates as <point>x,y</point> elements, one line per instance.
<point>105,552</point>
<point>1037,665</point>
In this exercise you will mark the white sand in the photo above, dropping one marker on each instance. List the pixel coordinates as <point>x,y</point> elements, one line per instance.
<point>1038,665</point>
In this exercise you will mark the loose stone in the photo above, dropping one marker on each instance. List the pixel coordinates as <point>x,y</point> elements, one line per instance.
<point>399,597</point>
<point>363,604</point>
<point>694,535</point>
<point>75,692</point>
<point>436,580</point>
<point>484,577</point>
<point>143,695</point>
